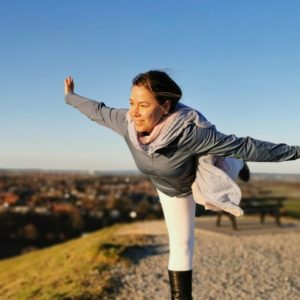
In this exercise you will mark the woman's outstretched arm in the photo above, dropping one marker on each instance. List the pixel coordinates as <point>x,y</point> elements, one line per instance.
<point>210,141</point>
<point>96,111</point>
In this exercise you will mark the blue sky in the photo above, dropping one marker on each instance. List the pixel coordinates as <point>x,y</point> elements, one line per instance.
<point>237,62</point>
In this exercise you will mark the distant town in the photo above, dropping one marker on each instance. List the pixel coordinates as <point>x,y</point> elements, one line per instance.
<point>39,208</point>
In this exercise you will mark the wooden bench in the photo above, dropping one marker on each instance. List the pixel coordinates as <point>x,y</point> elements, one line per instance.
<point>256,205</point>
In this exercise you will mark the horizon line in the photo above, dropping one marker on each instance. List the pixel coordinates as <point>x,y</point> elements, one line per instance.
<point>136,171</point>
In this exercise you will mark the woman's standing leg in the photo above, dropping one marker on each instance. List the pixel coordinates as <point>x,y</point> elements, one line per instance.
<point>179,213</point>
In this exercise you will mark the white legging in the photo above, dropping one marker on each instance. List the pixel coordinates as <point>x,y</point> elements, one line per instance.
<point>179,213</point>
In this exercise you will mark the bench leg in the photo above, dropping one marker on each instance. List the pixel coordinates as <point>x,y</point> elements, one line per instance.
<point>262,217</point>
<point>233,221</point>
<point>274,213</point>
<point>219,219</point>
<point>230,216</point>
<point>277,217</point>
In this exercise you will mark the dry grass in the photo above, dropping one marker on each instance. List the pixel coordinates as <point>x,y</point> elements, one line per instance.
<point>76,269</point>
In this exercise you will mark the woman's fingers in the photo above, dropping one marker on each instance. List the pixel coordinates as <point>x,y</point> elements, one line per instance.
<point>66,86</point>
<point>69,85</point>
<point>70,80</point>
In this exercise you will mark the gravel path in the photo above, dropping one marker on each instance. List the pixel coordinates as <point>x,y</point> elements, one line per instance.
<point>249,267</point>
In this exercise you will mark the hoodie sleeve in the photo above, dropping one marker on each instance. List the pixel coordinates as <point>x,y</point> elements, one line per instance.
<point>210,141</point>
<point>97,111</point>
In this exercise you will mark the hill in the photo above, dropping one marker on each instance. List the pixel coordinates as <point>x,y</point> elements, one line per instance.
<point>73,270</point>
<point>130,262</point>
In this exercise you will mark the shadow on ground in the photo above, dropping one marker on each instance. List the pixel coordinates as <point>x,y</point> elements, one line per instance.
<point>136,253</point>
<point>132,253</point>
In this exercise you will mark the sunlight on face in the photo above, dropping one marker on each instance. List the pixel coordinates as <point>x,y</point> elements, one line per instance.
<point>144,110</point>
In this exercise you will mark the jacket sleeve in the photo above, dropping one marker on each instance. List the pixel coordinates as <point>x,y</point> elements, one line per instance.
<point>210,141</point>
<point>97,111</point>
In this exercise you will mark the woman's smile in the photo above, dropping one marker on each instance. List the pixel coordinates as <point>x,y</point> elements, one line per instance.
<point>144,109</point>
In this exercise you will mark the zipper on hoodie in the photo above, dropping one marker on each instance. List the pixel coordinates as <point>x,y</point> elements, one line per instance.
<point>152,158</point>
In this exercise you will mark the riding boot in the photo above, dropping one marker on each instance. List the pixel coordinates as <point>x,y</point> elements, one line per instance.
<point>181,284</point>
<point>244,173</point>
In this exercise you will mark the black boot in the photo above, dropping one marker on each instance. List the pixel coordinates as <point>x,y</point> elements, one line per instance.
<point>181,284</point>
<point>244,173</point>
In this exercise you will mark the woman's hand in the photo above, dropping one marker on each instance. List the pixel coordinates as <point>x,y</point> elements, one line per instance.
<point>69,85</point>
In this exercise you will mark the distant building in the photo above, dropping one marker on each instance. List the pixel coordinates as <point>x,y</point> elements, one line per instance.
<point>9,198</point>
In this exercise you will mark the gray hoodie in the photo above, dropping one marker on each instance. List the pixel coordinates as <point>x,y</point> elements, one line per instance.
<point>172,169</point>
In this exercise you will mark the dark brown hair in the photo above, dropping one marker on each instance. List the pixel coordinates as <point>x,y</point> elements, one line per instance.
<point>161,85</point>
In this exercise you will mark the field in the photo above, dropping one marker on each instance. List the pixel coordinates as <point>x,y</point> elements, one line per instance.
<point>287,187</point>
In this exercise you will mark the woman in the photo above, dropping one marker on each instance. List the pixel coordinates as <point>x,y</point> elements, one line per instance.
<point>165,139</point>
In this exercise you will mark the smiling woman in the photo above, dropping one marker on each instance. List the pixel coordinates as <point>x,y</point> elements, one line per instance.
<point>169,142</point>
<point>153,96</point>
<point>145,110</point>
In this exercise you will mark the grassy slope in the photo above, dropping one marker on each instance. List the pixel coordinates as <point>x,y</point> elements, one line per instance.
<point>72,270</point>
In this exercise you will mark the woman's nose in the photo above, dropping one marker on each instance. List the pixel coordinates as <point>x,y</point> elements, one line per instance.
<point>134,111</point>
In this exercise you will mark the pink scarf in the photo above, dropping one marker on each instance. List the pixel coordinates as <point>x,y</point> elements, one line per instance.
<point>162,125</point>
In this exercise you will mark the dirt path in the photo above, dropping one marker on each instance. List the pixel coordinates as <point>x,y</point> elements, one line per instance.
<point>242,266</point>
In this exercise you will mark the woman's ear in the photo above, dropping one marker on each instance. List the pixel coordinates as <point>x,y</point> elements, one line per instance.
<point>166,107</point>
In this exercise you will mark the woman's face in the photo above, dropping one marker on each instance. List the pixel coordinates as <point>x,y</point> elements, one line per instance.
<point>145,110</point>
